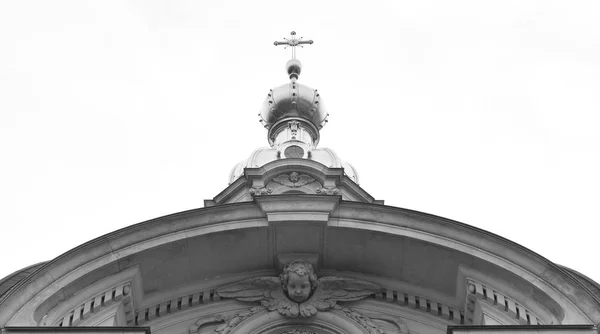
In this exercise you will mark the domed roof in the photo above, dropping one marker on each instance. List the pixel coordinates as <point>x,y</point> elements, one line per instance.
<point>262,156</point>
<point>293,101</point>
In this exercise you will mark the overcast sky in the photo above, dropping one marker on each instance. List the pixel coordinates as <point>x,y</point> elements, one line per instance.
<point>116,112</point>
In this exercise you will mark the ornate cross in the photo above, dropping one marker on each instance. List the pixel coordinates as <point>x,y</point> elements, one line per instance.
<point>293,42</point>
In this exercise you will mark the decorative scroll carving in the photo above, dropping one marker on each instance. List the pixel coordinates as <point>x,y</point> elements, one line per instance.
<point>205,321</point>
<point>260,191</point>
<point>397,322</point>
<point>327,191</point>
<point>294,180</point>
<point>237,319</point>
<point>363,320</point>
<point>297,291</point>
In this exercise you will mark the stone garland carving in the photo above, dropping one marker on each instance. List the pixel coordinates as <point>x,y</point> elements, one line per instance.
<point>363,320</point>
<point>297,292</point>
<point>369,325</point>
<point>260,191</point>
<point>293,180</point>
<point>328,191</point>
<point>237,319</point>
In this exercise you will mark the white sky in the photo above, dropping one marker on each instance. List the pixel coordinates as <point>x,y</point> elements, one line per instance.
<point>485,112</point>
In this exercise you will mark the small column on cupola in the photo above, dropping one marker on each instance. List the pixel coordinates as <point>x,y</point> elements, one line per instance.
<point>293,113</point>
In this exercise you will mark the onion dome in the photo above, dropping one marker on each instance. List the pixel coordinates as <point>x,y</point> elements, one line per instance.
<point>293,115</point>
<point>293,101</point>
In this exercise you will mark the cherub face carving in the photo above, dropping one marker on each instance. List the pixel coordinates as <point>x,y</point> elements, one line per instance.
<point>298,280</point>
<point>294,177</point>
<point>298,287</point>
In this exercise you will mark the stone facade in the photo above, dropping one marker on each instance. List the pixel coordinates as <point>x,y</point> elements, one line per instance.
<point>295,245</point>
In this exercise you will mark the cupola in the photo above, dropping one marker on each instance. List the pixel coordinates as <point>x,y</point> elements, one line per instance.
<point>293,111</point>
<point>293,114</point>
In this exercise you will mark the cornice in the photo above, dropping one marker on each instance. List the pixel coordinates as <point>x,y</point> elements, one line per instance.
<point>52,276</point>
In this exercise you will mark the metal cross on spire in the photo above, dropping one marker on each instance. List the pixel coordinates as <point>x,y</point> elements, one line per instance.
<point>293,42</point>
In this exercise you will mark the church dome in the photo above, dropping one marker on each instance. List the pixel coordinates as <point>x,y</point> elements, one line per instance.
<point>293,101</point>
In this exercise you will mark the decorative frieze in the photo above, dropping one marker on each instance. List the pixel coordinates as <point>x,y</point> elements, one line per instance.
<point>257,289</point>
<point>423,304</point>
<point>364,321</point>
<point>175,305</point>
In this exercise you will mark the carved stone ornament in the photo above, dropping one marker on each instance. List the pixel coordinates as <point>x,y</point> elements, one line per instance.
<point>364,321</point>
<point>298,331</point>
<point>328,191</point>
<point>205,321</point>
<point>297,292</point>
<point>237,319</point>
<point>260,191</point>
<point>294,180</point>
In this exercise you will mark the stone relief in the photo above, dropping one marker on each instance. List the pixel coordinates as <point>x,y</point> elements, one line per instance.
<point>260,191</point>
<point>364,321</point>
<point>327,191</point>
<point>297,292</point>
<point>236,320</point>
<point>372,322</point>
<point>293,180</point>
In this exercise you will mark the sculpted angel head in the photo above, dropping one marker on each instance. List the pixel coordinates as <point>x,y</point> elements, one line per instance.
<point>298,280</point>
<point>294,177</point>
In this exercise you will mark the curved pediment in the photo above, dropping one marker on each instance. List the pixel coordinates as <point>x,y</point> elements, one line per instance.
<point>436,267</point>
<point>289,176</point>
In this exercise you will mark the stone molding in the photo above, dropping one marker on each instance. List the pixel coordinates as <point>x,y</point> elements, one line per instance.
<point>175,305</point>
<point>492,248</point>
<point>49,281</point>
<point>123,288</point>
<point>448,313</point>
<point>256,320</point>
<point>444,312</point>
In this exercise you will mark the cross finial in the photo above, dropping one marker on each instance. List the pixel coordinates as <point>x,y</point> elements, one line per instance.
<point>293,42</point>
